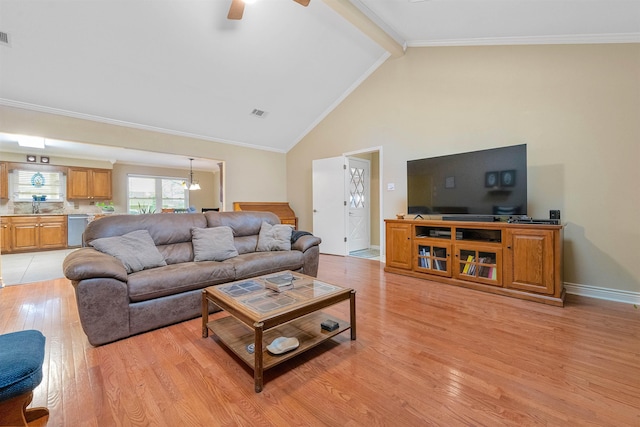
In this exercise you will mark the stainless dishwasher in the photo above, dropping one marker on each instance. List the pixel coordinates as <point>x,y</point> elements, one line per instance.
<point>76,224</point>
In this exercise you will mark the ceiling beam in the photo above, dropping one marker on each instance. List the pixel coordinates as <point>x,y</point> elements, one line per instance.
<point>351,13</point>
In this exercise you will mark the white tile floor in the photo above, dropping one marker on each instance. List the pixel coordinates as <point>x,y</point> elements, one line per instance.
<point>371,253</point>
<point>32,266</point>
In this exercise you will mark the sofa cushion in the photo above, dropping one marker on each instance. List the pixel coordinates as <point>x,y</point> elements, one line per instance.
<point>135,250</point>
<point>176,253</point>
<point>274,237</point>
<point>246,244</point>
<point>213,244</point>
<point>242,223</point>
<point>174,279</point>
<point>259,263</point>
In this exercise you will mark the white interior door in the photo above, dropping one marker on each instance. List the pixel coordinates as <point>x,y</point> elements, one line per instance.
<point>329,204</point>
<point>359,172</point>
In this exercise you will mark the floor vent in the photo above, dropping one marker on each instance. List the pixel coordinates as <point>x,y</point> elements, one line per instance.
<point>4,38</point>
<point>258,113</point>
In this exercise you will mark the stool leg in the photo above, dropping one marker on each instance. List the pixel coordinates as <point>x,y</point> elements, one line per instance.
<point>14,412</point>
<point>37,416</point>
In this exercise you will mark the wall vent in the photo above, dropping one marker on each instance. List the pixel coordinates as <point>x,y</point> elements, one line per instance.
<point>4,38</point>
<point>258,113</point>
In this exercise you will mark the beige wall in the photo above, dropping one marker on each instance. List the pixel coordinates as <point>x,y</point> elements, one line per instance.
<point>250,174</point>
<point>577,107</point>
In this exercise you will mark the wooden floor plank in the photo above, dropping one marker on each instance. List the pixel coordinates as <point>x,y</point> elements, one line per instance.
<point>426,353</point>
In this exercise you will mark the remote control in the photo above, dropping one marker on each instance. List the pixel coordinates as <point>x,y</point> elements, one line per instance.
<point>329,325</point>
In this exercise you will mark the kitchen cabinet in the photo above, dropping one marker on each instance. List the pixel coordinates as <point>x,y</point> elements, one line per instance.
<point>37,232</point>
<point>87,183</point>
<point>4,181</point>
<point>5,234</point>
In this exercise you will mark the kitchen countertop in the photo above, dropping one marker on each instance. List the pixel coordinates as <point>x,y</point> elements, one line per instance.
<point>50,214</point>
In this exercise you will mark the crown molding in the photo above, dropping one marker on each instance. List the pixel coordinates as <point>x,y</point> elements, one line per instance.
<point>342,97</point>
<point>535,40</point>
<point>99,119</point>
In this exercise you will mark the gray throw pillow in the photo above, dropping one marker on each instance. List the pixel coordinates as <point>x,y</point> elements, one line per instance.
<point>274,237</point>
<point>136,250</point>
<point>213,244</point>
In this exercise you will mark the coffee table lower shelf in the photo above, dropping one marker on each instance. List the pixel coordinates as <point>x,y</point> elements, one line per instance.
<point>236,336</point>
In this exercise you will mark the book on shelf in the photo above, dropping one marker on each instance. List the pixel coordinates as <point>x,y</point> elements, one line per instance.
<point>482,269</point>
<point>424,254</point>
<point>468,265</point>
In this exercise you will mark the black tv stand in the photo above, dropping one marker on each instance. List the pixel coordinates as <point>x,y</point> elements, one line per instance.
<point>474,218</point>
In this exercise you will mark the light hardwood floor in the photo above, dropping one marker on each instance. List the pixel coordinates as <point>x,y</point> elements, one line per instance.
<point>426,354</point>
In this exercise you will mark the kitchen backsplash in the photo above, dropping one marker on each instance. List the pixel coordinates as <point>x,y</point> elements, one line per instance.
<point>61,208</point>
<point>42,208</point>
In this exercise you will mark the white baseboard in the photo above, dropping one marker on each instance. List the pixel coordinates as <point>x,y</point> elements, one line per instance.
<point>628,297</point>
<point>603,293</point>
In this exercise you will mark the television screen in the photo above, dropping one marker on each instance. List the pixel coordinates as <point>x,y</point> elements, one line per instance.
<point>488,182</point>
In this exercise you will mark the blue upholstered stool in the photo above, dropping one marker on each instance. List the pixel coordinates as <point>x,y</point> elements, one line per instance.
<point>21,357</point>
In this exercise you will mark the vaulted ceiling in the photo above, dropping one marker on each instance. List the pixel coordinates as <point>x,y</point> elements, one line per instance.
<point>180,66</point>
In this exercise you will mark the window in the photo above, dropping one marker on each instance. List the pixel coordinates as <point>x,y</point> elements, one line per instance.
<point>356,188</point>
<point>148,194</point>
<point>29,184</point>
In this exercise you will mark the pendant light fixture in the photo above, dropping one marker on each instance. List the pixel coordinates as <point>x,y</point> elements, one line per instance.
<point>192,184</point>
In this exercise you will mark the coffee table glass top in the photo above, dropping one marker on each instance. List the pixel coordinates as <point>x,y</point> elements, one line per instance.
<point>259,294</point>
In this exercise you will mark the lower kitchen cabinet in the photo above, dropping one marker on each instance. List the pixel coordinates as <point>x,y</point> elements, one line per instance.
<point>29,233</point>
<point>5,234</point>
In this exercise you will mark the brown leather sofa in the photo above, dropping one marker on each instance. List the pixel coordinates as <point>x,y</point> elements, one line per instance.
<point>114,304</point>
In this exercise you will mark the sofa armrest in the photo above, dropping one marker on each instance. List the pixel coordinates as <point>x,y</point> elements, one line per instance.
<point>305,242</point>
<point>88,263</point>
<point>103,308</point>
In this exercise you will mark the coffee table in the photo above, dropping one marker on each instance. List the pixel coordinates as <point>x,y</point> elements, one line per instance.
<point>258,315</point>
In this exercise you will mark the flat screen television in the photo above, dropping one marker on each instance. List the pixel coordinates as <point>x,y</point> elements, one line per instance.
<point>478,185</point>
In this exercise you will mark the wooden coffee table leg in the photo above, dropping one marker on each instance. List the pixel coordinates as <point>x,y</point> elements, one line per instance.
<point>258,368</point>
<point>352,301</point>
<point>205,315</point>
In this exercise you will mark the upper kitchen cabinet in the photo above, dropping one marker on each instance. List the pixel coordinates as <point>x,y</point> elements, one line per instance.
<point>85,183</point>
<point>4,181</point>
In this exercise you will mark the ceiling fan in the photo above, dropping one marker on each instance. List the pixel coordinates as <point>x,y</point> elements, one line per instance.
<point>237,7</point>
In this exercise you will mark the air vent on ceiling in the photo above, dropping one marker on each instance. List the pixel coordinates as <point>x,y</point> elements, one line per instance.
<point>4,38</point>
<point>259,113</point>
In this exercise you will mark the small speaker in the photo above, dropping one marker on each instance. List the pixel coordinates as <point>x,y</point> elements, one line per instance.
<point>554,214</point>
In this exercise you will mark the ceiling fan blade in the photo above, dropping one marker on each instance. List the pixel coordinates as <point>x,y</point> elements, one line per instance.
<point>236,9</point>
<point>305,3</point>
